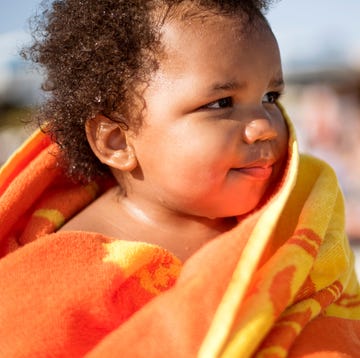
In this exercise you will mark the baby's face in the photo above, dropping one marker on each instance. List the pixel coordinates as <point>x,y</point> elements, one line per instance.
<point>213,139</point>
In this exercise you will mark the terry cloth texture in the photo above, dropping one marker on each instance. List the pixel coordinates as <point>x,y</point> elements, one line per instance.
<point>281,283</point>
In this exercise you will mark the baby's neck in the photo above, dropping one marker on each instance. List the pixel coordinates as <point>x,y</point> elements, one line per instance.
<point>120,217</point>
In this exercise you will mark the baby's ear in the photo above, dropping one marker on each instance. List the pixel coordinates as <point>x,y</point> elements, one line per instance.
<point>110,144</point>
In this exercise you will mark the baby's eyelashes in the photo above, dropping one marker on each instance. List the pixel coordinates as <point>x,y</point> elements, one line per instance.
<point>228,102</point>
<point>225,102</point>
<point>271,97</point>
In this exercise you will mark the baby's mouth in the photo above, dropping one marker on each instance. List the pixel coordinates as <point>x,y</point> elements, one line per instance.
<point>260,169</point>
<point>256,172</point>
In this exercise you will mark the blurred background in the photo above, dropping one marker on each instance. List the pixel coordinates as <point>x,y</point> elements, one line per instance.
<point>320,46</point>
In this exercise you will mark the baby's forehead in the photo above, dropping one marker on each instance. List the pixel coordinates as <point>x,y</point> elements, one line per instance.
<point>181,26</point>
<point>178,34</point>
<point>201,22</point>
<point>209,50</point>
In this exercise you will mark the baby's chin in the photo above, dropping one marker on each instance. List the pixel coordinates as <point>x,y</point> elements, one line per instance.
<point>232,213</point>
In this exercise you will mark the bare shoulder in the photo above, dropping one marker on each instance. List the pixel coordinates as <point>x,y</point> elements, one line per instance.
<point>99,216</point>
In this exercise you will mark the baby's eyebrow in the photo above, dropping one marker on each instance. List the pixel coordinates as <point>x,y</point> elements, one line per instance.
<point>231,85</point>
<point>226,86</point>
<point>277,82</point>
<point>234,85</point>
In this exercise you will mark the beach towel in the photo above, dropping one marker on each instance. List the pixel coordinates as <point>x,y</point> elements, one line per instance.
<point>281,283</point>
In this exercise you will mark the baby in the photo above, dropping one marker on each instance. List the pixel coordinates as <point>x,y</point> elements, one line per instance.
<point>168,113</point>
<point>190,128</point>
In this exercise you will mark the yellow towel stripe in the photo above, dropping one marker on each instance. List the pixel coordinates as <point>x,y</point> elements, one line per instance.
<point>297,327</point>
<point>53,215</point>
<point>130,256</point>
<point>275,351</point>
<point>215,340</point>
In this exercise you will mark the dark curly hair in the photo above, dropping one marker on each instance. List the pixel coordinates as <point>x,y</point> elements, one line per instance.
<point>93,52</point>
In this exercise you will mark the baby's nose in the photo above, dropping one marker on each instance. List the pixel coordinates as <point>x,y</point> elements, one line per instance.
<point>259,130</point>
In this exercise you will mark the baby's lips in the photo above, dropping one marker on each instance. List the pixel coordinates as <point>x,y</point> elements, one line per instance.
<point>257,172</point>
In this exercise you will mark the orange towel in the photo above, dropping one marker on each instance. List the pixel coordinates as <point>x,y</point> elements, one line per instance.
<point>281,283</point>
<point>62,293</point>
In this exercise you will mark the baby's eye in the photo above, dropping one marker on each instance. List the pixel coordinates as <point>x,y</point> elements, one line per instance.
<point>271,97</point>
<point>225,102</point>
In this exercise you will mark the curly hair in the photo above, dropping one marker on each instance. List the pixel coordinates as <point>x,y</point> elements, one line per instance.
<point>93,52</point>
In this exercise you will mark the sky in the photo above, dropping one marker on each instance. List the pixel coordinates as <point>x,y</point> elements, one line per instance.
<point>306,30</point>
